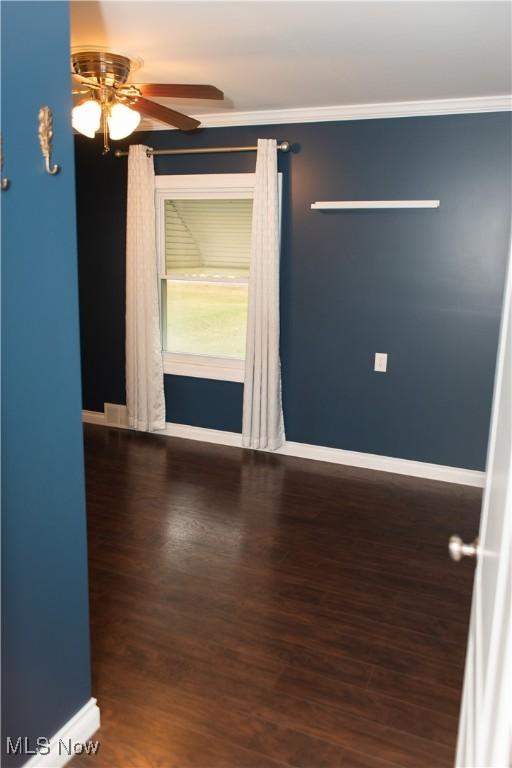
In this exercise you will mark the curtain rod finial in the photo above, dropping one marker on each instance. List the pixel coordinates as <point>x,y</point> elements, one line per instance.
<point>285,146</point>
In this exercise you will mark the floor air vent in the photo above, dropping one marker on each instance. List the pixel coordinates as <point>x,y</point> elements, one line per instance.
<point>115,415</point>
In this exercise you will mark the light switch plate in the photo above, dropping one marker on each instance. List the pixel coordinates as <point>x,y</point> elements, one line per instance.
<point>381,362</point>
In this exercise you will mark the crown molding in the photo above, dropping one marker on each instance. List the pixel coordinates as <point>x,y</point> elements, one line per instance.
<point>347,112</point>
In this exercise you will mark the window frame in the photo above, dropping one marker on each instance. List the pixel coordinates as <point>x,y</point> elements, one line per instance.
<point>210,186</point>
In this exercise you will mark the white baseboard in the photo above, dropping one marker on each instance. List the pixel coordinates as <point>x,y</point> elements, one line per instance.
<point>93,417</point>
<point>218,436</point>
<point>322,453</point>
<point>76,732</point>
<point>409,467</point>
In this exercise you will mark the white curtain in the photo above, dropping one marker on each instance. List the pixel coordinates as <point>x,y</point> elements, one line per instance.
<point>144,367</point>
<point>262,425</point>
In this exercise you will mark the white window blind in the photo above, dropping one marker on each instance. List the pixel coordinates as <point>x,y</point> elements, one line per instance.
<point>210,237</point>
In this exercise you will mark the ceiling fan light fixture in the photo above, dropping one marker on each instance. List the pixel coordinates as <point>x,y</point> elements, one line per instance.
<point>116,104</point>
<point>86,118</point>
<point>122,121</point>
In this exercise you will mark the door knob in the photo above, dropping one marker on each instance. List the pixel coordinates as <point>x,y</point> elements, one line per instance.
<point>458,549</point>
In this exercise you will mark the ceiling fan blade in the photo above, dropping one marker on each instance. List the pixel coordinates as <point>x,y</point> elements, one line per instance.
<point>164,114</point>
<point>180,91</point>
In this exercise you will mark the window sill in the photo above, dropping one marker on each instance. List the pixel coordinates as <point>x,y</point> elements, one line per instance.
<point>203,367</point>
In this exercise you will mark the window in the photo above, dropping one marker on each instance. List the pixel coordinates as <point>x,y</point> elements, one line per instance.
<point>204,243</point>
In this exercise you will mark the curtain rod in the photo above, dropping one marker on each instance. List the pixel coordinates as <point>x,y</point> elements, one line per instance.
<point>284,146</point>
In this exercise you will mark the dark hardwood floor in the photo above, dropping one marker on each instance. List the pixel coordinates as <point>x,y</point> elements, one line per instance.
<point>251,610</point>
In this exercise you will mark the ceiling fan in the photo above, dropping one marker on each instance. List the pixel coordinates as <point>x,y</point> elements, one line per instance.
<point>108,102</point>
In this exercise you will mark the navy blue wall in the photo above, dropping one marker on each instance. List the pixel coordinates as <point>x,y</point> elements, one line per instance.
<point>424,286</point>
<point>45,633</point>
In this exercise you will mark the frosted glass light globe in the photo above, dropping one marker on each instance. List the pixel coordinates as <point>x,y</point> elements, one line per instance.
<point>122,121</point>
<point>86,118</point>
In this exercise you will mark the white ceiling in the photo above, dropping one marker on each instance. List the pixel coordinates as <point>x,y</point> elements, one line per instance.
<point>278,55</point>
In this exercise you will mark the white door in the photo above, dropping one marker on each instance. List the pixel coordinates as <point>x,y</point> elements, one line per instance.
<point>485,727</point>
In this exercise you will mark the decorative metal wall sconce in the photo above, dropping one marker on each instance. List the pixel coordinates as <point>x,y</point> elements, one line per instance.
<point>45,139</point>
<point>4,183</point>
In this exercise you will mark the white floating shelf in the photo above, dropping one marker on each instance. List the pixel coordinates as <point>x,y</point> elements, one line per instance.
<point>347,204</point>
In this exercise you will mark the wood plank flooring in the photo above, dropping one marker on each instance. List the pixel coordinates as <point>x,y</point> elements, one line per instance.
<point>257,611</point>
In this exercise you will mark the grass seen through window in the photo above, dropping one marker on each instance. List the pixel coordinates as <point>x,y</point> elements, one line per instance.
<point>207,318</point>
